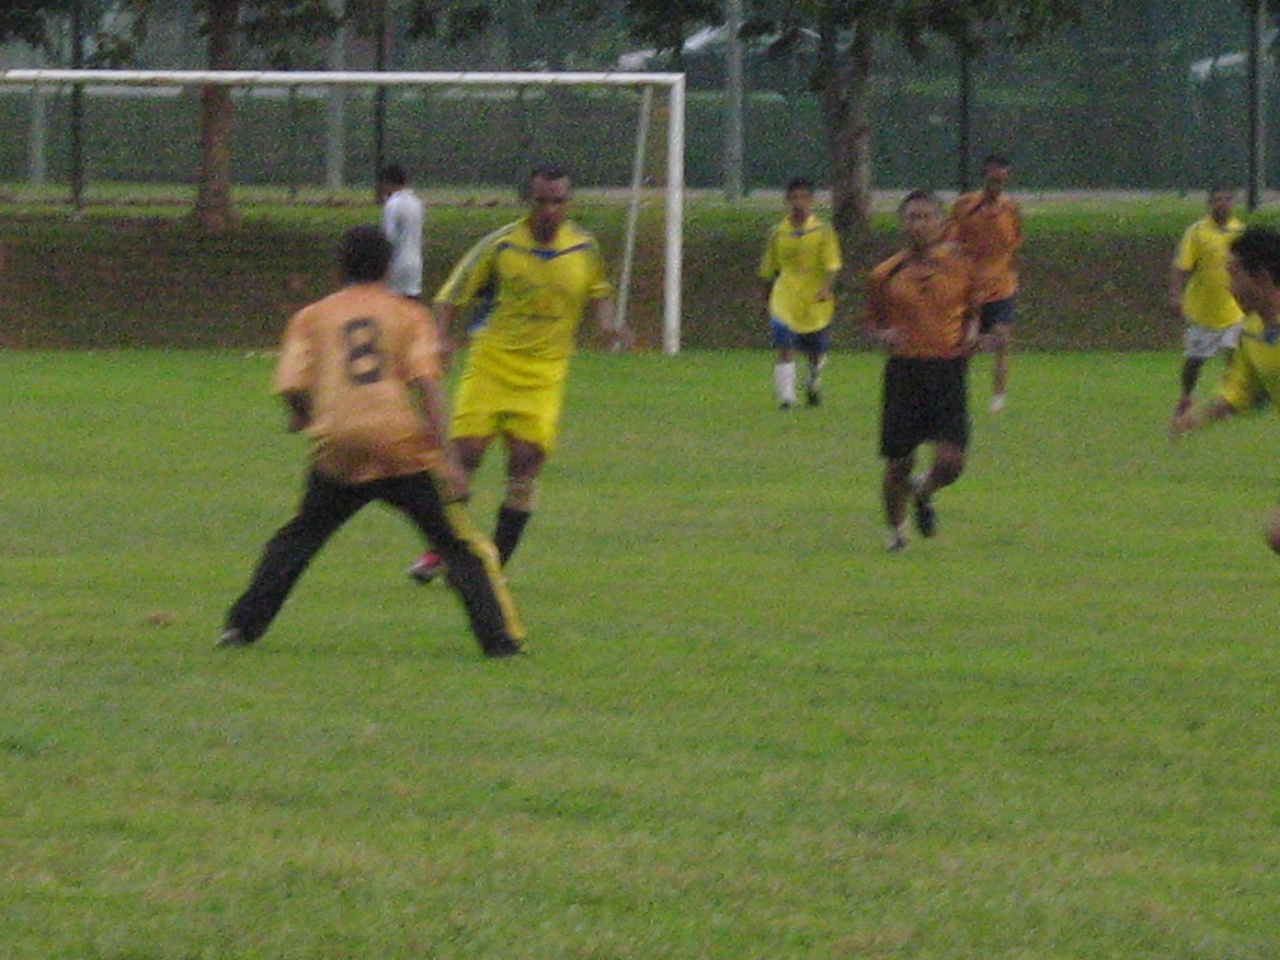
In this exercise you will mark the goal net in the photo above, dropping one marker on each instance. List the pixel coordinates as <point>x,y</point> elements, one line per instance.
<point>464,122</point>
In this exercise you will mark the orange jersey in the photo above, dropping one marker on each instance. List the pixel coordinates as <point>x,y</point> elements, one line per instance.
<point>990,231</point>
<point>930,300</point>
<point>354,354</point>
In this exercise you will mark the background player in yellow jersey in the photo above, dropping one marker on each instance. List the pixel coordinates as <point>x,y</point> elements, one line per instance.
<point>1200,289</point>
<point>921,306</point>
<point>532,283</point>
<point>1253,370</point>
<point>799,268</point>
<point>987,223</point>
<point>359,371</point>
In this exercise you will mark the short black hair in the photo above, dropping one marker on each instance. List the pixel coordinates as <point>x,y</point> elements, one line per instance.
<point>800,183</point>
<point>548,171</point>
<point>996,160</point>
<point>393,175</point>
<point>364,254</point>
<point>926,195</point>
<point>1257,250</point>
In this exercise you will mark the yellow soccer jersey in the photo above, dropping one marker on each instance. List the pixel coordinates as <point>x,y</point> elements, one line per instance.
<point>530,298</point>
<point>1203,253</point>
<point>1253,372</point>
<point>353,354</point>
<point>798,262</point>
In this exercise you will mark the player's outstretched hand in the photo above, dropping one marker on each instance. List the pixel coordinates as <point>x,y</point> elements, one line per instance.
<point>452,476</point>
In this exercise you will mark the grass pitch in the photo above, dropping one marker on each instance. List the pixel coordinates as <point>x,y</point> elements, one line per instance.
<point>745,730</point>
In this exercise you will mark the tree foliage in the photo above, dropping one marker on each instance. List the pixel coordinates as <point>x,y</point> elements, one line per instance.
<point>28,20</point>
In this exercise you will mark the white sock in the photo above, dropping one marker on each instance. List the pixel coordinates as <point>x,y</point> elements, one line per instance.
<point>815,372</point>
<point>784,378</point>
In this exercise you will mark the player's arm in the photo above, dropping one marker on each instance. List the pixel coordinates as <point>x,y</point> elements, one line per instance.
<point>833,263</point>
<point>445,315</point>
<point>875,317</point>
<point>767,272</point>
<point>620,335</point>
<point>433,405</point>
<point>1177,283</point>
<point>297,403</point>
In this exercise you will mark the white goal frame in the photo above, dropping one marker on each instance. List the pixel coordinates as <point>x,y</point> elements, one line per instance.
<point>673,83</point>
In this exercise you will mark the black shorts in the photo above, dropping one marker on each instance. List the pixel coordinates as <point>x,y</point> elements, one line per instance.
<point>924,400</point>
<point>997,313</point>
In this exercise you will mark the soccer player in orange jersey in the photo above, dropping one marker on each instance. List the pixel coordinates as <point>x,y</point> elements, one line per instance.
<point>360,371</point>
<point>922,307</point>
<point>987,224</point>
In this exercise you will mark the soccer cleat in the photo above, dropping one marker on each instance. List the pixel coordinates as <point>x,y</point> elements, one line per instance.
<point>426,568</point>
<point>231,637</point>
<point>507,648</point>
<point>1183,406</point>
<point>785,406</point>
<point>897,541</point>
<point>813,397</point>
<point>997,403</point>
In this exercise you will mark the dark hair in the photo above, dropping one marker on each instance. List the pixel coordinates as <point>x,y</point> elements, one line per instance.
<point>800,183</point>
<point>364,255</point>
<point>548,171</point>
<point>927,195</point>
<point>393,175</point>
<point>996,160</point>
<point>1257,250</point>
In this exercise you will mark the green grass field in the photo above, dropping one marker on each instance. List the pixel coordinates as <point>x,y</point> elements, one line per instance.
<point>745,731</point>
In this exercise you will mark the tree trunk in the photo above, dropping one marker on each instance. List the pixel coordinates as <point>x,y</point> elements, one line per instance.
<point>845,95</point>
<point>213,193</point>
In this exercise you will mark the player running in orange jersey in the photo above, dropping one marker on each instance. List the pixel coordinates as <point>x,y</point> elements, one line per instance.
<point>987,223</point>
<point>921,306</point>
<point>360,372</point>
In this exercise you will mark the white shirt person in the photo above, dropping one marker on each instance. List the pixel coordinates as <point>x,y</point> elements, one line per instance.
<point>402,217</point>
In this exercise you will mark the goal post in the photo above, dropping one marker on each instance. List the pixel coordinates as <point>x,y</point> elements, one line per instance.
<point>672,83</point>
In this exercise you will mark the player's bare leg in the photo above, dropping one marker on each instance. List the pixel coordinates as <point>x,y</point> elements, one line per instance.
<point>524,464</point>
<point>1191,367</point>
<point>896,492</point>
<point>948,464</point>
<point>1000,337</point>
<point>813,390</point>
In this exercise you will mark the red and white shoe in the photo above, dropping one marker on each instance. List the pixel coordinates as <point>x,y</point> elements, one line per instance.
<point>427,567</point>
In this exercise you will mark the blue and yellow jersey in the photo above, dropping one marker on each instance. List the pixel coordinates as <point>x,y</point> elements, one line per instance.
<point>530,298</point>
<point>1253,372</point>
<point>799,262</point>
<point>1203,253</point>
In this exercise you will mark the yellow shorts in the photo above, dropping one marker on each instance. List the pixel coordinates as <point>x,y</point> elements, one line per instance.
<point>486,406</point>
